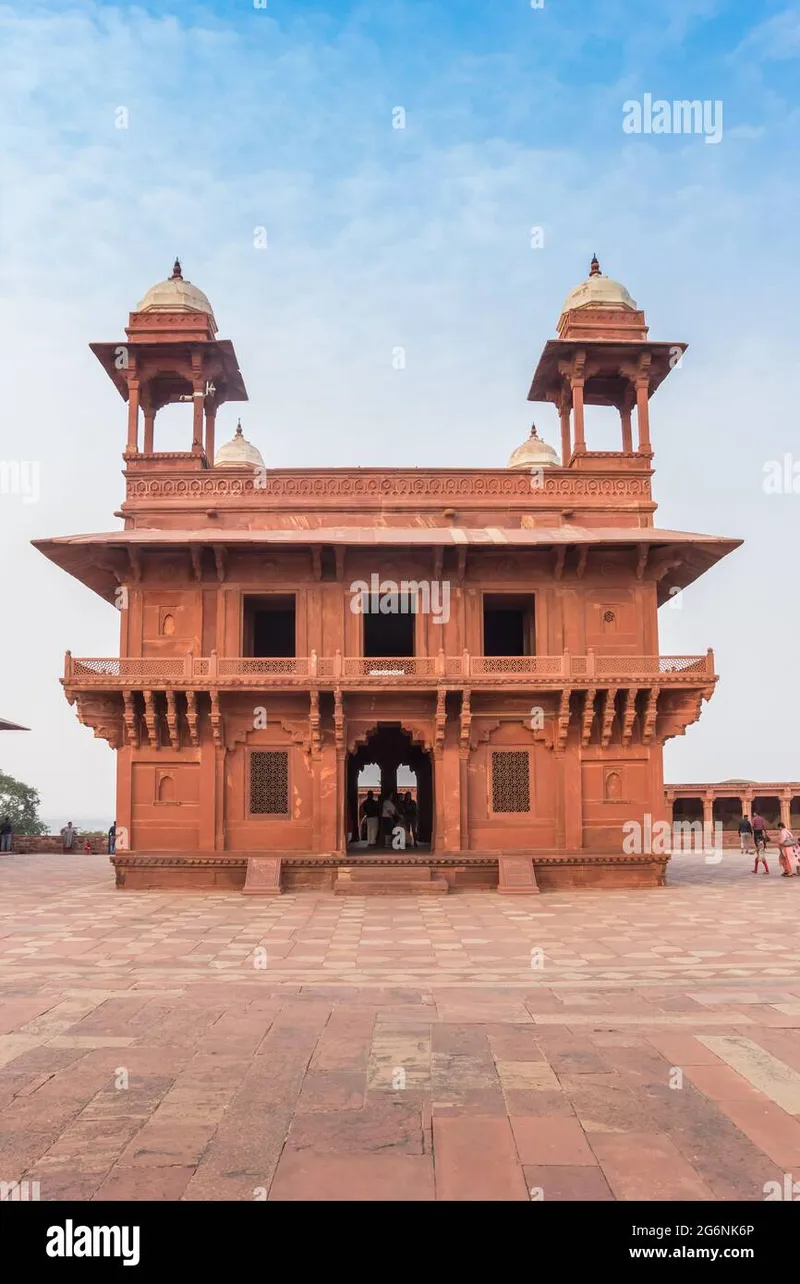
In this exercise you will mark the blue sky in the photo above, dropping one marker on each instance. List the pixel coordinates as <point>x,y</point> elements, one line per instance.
<point>418,237</point>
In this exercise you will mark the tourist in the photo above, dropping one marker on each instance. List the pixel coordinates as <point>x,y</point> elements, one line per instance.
<point>759,831</point>
<point>68,836</point>
<point>87,847</point>
<point>787,852</point>
<point>745,835</point>
<point>388,816</point>
<point>6,834</point>
<point>112,838</point>
<point>410,819</point>
<point>369,812</point>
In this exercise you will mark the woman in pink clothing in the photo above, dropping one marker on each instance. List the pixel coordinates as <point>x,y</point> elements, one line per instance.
<point>787,852</point>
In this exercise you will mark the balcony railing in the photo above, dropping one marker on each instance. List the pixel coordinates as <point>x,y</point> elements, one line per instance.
<point>485,670</point>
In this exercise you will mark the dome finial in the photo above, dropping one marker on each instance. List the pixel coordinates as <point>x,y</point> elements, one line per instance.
<point>177,274</point>
<point>594,266</point>
<point>534,433</point>
<point>239,428</point>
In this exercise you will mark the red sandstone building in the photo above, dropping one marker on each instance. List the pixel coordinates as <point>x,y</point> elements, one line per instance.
<point>515,670</point>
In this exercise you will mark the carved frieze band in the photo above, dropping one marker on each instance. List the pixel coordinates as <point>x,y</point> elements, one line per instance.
<point>388,486</point>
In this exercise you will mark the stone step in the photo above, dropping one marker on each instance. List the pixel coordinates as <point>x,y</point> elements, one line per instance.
<point>387,880</point>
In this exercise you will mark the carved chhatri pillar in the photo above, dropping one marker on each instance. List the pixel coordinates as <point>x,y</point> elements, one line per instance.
<point>566,430</point>
<point>625,415</point>
<point>577,406</point>
<point>211,420</point>
<point>133,416</point>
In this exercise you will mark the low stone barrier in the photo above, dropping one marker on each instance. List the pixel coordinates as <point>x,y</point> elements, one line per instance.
<point>24,843</point>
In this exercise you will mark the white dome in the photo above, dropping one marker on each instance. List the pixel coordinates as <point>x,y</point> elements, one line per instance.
<point>599,291</point>
<point>238,453</point>
<point>175,295</point>
<point>534,453</point>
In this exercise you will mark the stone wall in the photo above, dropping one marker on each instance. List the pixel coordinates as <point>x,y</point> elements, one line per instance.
<point>24,843</point>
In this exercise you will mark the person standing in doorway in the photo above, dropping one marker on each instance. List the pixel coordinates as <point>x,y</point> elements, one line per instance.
<point>410,819</point>
<point>69,836</point>
<point>6,834</point>
<point>746,835</point>
<point>112,838</point>
<point>388,817</point>
<point>369,811</point>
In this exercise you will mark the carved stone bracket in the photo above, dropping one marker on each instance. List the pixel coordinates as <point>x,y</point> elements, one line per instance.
<point>629,714</point>
<point>466,723</point>
<point>172,721</point>
<point>648,731</point>
<point>441,721</point>
<point>151,719</point>
<point>338,721</point>
<point>562,722</point>
<point>131,719</point>
<point>217,727</point>
<point>220,562</point>
<point>314,724</point>
<point>104,714</point>
<point>196,554</point>
<point>192,717</point>
<point>608,716</point>
<point>588,716</point>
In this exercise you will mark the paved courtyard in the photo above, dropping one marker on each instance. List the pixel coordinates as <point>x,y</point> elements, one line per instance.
<point>581,1046</point>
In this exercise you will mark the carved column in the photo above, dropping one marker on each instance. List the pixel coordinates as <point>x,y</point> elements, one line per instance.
<point>198,398</point>
<point>642,404</point>
<point>577,407</point>
<point>625,415</point>
<point>463,767</point>
<point>341,783</point>
<point>211,420</point>
<point>133,416</point>
<point>708,810</point>
<point>566,431</point>
<point>149,421</point>
<point>786,805</point>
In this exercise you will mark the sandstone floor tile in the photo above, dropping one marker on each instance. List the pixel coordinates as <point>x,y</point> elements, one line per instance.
<point>303,1176</point>
<point>476,1159</point>
<point>551,1140</point>
<point>647,1166</point>
<point>556,1183</point>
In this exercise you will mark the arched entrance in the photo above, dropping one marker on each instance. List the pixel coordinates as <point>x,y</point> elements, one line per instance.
<point>387,749</point>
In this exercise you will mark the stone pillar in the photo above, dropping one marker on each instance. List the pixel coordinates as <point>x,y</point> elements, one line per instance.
<point>625,416</point>
<point>643,414</point>
<point>198,398</point>
<point>133,417</point>
<point>708,808</point>
<point>786,806</point>
<point>211,420</point>
<point>577,406</point>
<point>566,433</point>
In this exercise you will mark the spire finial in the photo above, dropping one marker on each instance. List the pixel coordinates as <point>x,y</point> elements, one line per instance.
<point>594,266</point>
<point>534,433</point>
<point>177,275</point>
<point>238,428</point>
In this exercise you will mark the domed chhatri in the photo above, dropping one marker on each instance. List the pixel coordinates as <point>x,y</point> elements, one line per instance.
<point>238,452</point>
<point>175,295</point>
<point>534,453</point>
<point>598,290</point>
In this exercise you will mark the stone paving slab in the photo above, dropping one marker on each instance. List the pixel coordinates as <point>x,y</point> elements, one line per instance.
<point>206,1046</point>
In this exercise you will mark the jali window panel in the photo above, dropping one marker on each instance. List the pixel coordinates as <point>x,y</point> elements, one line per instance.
<point>511,786</point>
<point>269,782</point>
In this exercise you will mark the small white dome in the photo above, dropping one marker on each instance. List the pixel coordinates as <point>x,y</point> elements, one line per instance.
<point>238,453</point>
<point>175,295</point>
<point>599,291</point>
<point>534,453</point>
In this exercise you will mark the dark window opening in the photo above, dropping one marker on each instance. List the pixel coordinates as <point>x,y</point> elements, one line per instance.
<point>511,789</point>
<point>269,626</point>
<point>508,624</point>
<point>390,634</point>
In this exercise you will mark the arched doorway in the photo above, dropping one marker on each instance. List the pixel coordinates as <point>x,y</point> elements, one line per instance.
<point>387,761</point>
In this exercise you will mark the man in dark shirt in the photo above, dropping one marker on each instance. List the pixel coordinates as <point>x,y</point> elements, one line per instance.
<point>369,810</point>
<point>746,834</point>
<point>6,832</point>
